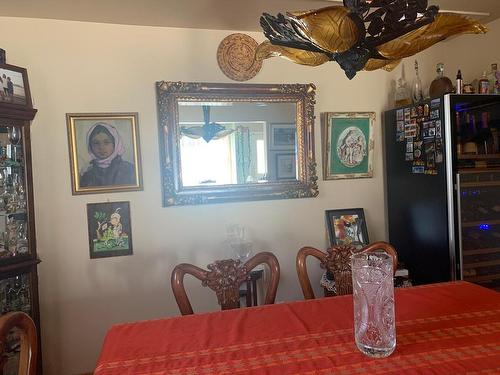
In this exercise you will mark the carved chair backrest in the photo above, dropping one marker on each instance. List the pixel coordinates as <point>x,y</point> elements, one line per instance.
<point>224,277</point>
<point>26,331</point>
<point>337,261</point>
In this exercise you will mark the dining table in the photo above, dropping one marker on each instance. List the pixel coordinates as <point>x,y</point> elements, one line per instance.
<point>446,328</point>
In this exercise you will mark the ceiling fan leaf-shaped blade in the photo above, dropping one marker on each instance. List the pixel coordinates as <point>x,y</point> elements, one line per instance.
<point>388,65</point>
<point>194,132</point>
<point>267,50</point>
<point>444,26</point>
<point>329,28</point>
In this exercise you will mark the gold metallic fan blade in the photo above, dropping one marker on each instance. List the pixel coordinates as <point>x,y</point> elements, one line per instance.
<point>329,28</point>
<point>266,50</point>
<point>445,25</point>
<point>388,65</point>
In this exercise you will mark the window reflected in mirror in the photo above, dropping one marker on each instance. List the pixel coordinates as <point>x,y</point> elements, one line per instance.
<point>230,143</point>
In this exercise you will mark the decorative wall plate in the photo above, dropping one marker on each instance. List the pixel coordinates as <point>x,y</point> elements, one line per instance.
<point>236,57</point>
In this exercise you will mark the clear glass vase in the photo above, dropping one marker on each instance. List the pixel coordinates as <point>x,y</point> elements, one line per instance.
<point>373,296</point>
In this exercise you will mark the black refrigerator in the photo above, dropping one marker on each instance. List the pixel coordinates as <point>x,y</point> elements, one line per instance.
<point>442,163</point>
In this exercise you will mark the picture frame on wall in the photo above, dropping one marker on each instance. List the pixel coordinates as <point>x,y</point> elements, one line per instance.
<point>347,227</point>
<point>109,228</point>
<point>14,87</point>
<point>104,152</point>
<point>347,142</point>
<point>286,166</point>
<point>282,136</point>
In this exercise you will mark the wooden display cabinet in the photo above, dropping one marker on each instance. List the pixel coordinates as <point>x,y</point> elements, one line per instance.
<point>18,252</point>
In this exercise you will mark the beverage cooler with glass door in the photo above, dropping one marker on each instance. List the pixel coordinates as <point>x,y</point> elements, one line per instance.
<point>442,162</point>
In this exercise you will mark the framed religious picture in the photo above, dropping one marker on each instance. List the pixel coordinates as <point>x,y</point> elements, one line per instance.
<point>110,232</point>
<point>347,226</point>
<point>104,152</point>
<point>347,141</point>
<point>286,166</point>
<point>282,136</point>
<point>14,87</point>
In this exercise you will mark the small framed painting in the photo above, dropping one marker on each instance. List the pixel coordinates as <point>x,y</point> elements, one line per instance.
<point>347,140</point>
<point>104,152</point>
<point>282,136</point>
<point>286,166</point>
<point>14,87</point>
<point>347,227</point>
<point>110,232</point>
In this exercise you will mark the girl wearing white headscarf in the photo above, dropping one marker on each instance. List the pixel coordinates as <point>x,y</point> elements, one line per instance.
<point>105,147</point>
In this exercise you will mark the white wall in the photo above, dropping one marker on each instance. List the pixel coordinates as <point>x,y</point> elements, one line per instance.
<point>87,67</point>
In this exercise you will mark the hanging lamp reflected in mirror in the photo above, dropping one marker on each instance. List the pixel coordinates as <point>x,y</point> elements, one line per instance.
<point>361,34</point>
<point>208,131</point>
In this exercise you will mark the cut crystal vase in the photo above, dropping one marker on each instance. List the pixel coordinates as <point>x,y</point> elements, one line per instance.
<point>373,296</point>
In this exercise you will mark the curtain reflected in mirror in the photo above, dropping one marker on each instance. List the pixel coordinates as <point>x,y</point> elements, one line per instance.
<point>234,143</point>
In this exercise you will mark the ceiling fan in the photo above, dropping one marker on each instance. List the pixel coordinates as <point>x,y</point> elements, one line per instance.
<point>208,131</point>
<point>361,34</point>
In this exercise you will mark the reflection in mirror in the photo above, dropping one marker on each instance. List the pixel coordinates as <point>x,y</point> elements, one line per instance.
<point>227,143</point>
<point>233,142</point>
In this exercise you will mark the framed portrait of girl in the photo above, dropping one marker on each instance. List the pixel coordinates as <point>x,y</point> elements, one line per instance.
<point>104,152</point>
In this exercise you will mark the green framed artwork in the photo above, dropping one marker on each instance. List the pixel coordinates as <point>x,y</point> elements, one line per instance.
<point>347,140</point>
<point>110,232</point>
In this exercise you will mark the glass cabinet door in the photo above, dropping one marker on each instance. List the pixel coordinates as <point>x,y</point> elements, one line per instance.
<point>15,294</point>
<point>480,226</point>
<point>14,231</point>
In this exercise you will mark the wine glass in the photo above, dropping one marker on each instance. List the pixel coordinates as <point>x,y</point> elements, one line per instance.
<point>14,134</point>
<point>21,192</point>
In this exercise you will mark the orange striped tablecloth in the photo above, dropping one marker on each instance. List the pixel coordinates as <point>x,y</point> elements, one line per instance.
<point>449,328</point>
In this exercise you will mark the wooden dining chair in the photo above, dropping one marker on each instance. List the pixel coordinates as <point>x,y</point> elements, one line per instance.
<point>27,336</point>
<point>224,277</point>
<point>337,262</point>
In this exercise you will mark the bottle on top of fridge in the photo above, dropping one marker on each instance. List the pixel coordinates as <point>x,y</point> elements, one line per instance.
<point>484,84</point>
<point>403,96</point>
<point>460,83</point>
<point>441,84</point>
<point>492,77</point>
<point>417,91</point>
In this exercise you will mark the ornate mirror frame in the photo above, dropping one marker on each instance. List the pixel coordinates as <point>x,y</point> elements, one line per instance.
<point>169,94</point>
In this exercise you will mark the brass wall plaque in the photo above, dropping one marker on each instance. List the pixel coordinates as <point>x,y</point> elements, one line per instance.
<point>236,57</point>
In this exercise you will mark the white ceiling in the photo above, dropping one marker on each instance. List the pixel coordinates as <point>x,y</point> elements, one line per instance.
<point>204,14</point>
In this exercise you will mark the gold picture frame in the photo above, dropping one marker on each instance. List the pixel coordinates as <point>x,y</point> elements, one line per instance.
<point>171,99</point>
<point>111,163</point>
<point>348,143</point>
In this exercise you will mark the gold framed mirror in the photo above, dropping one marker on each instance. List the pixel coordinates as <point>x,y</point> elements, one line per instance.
<point>236,142</point>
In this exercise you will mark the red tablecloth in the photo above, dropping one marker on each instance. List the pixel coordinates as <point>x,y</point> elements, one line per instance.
<point>450,328</point>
